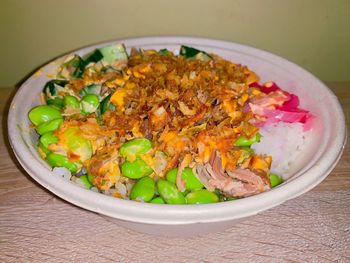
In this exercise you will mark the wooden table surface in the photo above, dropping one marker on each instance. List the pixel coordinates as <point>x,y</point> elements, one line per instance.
<point>37,226</point>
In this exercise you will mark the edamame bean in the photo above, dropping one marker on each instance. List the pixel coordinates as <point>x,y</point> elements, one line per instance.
<point>85,180</point>
<point>191,181</point>
<point>43,113</point>
<point>136,169</point>
<point>275,180</point>
<point>58,160</point>
<point>157,200</point>
<point>244,141</point>
<point>48,138</point>
<point>77,144</point>
<point>201,196</point>
<point>171,175</point>
<point>135,148</point>
<point>143,190</point>
<point>71,101</point>
<point>49,126</point>
<point>89,103</point>
<point>90,178</point>
<point>169,192</point>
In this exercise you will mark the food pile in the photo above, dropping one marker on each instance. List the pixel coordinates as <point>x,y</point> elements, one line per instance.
<point>153,126</point>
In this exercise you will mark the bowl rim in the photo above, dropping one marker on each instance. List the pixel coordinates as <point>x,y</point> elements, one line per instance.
<point>182,214</point>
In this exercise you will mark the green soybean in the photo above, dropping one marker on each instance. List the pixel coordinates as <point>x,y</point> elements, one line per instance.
<point>244,141</point>
<point>169,192</point>
<point>201,196</point>
<point>90,178</point>
<point>49,126</point>
<point>71,101</point>
<point>135,147</point>
<point>85,180</point>
<point>275,180</point>
<point>58,160</point>
<point>77,144</point>
<point>43,113</point>
<point>89,103</point>
<point>136,169</point>
<point>171,175</point>
<point>143,190</point>
<point>47,139</point>
<point>191,181</point>
<point>157,200</point>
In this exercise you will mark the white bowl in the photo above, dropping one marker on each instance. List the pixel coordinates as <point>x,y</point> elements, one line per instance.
<point>329,137</point>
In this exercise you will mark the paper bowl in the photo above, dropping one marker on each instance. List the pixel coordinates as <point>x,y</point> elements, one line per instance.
<point>315,163</point>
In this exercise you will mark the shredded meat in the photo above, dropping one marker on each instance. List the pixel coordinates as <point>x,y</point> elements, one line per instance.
<point>232,183</point>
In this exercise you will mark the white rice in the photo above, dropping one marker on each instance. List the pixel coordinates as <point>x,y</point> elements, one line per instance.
<point>62,172</point>
<point>284,142</point>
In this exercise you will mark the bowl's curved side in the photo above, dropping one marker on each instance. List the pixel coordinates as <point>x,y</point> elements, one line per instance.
<point>269,66</point>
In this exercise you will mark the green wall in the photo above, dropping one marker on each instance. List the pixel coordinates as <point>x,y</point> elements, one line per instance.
<point>312,33</point>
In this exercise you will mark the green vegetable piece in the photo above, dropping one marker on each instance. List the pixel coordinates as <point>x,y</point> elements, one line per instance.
<point>245,142</point>
<point>43,113</point>
<point>135,148</point>
<point>56,103</point>
<point>53,87</point>
<point>91,89</point>
<point>201,196</point>
<point>89,103</point>
<point>157,200</point>
<point>77,144</point>
<point>113,53</point>
<point>275,180</point>
<point>90,178</point>
<point>58,160</point>
<point>85,180</point>
<point>93,57</point>
<point>73,68</point>
<point>191,181</point>
<point>164,52</point>
<point>106,105</point>
<point>190,52</point>
<point>143,190</point>
<point>71,101</point>
<point>136,169</point>
<point>48,138</point>
<point>169,192</point>
<point>49,126</point>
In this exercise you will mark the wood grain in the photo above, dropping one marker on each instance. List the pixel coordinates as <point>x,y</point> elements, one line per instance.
<point>36,226</point>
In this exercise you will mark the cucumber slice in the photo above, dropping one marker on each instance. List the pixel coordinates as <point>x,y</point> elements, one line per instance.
<point>164,52</point>
<point>190,52</point>
<point>53,87</point>
<point>56,103</point>
<point>72,68</point>
<point>93,57</point>
<point>113,53</point>
<point>91,89</point>
<point>106,105</point>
